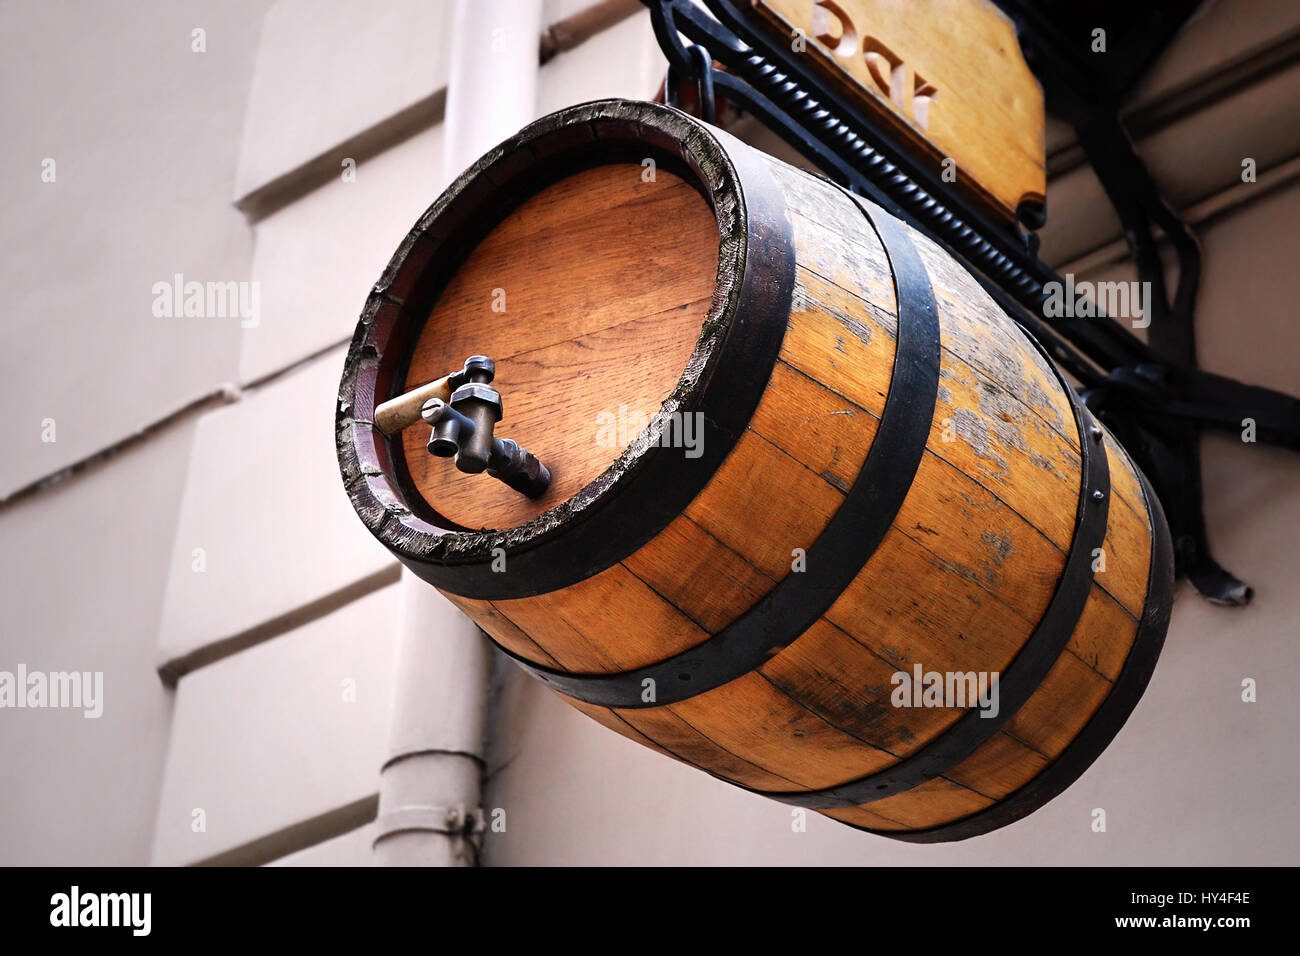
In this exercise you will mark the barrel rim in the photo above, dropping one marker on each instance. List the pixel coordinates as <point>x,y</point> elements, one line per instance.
<point>647,485</point>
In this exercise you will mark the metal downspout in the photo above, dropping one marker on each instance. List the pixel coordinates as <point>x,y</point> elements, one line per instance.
<point>430,786</point>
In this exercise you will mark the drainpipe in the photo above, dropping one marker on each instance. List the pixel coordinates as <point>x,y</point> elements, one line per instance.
<point>577,29</point>
<point>430,786</point>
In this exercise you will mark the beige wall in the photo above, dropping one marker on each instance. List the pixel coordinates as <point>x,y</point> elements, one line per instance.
<point>244,619</point>
<point>144,134</point>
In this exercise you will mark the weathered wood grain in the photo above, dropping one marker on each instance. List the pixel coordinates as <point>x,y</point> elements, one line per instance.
<point>595,274</point>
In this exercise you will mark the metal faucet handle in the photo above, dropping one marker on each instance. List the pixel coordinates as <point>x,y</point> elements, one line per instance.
<point>463,429</point>
<point>478,368</point>
<point>405,410</point>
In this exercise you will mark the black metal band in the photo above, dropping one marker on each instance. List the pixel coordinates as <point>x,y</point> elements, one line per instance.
<point>1030,666</point>
<point>847,541</point>
<point>1104,724</point>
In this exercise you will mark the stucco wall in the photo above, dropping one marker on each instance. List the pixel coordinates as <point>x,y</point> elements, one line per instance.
<point>144,135</point>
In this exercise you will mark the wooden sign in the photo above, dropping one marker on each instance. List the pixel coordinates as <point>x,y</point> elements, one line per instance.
<point>945,76</point>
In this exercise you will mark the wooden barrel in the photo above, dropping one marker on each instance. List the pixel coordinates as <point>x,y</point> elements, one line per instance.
<point>825,523</point>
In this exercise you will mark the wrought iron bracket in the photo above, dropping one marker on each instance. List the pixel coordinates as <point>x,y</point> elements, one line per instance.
<point>1158,408</point>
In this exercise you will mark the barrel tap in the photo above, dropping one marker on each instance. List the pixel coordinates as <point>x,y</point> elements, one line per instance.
<point>463,409</point>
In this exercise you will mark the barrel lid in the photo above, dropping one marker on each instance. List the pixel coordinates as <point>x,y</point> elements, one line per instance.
<point>601,257</point>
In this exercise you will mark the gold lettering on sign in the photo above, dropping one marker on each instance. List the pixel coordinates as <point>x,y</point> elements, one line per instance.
<point>924,96</point>
<point>899,60</point>
<point>834,29</point>
<point>841,41</point>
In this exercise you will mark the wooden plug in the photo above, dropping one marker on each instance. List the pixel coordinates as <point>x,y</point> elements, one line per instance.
<point>404,411</point>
